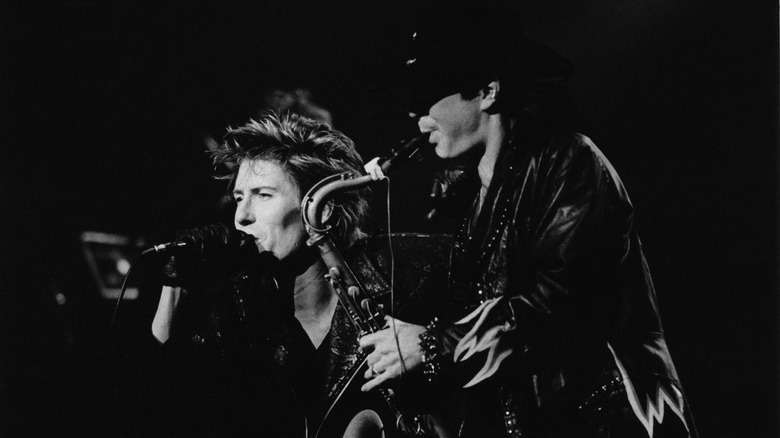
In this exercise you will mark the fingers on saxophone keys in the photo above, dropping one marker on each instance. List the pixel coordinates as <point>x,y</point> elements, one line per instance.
<point>374,382</point>
<point>367,341</point>
<point>372,371</point>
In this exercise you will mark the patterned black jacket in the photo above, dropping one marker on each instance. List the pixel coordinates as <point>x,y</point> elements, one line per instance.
<point>553,327</point>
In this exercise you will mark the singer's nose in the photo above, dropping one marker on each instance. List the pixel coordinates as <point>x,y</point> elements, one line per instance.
<point>244,215</point>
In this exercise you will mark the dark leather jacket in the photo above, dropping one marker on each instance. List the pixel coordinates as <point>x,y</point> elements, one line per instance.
<point>244,366</point>
<point>556,328</point>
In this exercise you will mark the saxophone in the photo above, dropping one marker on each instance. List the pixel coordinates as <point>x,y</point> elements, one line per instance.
<point>364,313</point>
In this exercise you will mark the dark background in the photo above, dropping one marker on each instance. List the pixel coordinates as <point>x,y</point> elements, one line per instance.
<point>104,105</point>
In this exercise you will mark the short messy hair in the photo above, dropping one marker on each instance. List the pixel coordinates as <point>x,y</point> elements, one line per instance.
<point>309,151</point>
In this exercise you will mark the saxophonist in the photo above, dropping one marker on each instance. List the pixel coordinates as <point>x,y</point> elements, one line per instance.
<point>260,345</point>
<point>553,328</point>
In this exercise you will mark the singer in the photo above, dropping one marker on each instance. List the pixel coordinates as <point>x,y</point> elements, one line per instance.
<point>553,327</point>
<point>264,348</point>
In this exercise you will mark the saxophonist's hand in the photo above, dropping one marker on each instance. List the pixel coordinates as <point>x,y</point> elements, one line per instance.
<point>385,361</point>
<point>374,169</point>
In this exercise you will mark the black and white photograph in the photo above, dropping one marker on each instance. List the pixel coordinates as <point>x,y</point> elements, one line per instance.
<point>398,219</point>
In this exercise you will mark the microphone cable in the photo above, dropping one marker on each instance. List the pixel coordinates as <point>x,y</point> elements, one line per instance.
<point>122,291</point>
<point>392,281</point>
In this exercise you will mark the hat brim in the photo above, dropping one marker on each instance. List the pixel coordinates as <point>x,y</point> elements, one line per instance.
<point>449,68</point>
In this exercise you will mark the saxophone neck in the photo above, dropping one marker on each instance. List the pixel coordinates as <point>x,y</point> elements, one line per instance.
<point>315,200</point>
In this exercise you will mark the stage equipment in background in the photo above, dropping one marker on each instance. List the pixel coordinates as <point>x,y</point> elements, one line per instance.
<point>109,257</point>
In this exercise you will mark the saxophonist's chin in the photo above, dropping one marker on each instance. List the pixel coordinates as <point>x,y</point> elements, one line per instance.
<point>366,424</point>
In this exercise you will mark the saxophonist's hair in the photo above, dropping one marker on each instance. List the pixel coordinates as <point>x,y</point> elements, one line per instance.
<point>309,151</point>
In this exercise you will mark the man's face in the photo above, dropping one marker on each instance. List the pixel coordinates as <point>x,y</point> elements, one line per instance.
<point>268,206</point>
<point>455,124</point>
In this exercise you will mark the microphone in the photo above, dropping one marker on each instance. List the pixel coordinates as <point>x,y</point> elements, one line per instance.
<point>204,239</point>
<point>164,247</point>
<point>404,153</point>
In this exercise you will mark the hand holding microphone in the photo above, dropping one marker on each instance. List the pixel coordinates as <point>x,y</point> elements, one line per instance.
<point>197,261</point>
<point>204,252</point>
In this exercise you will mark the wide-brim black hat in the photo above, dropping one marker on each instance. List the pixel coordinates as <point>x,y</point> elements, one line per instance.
<point>460,48</point>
